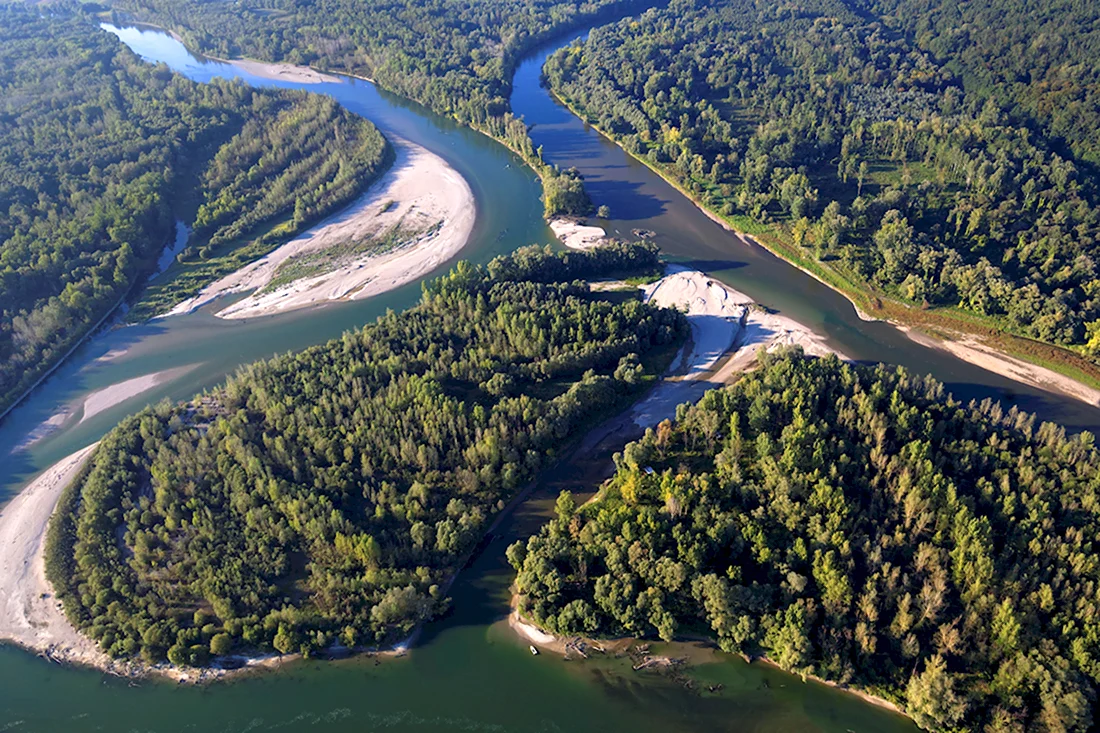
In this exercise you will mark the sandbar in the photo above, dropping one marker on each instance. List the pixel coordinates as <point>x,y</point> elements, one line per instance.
<point>282,72</point>
<point>421,192</point>
<point>725,324</point>
<point>108,397</point>
<point>575,235</point>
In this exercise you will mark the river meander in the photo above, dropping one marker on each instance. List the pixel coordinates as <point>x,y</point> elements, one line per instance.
<point>468,672</point>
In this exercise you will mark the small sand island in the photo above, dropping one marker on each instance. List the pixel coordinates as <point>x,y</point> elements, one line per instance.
<point>282,72</point>
<point>416,218</point>
<point>576,235</point>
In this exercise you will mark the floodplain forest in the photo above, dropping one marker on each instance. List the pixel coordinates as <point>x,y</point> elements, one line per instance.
<point>886,150</point>
<point>103,153</point>
<point>327,497</point>
<point>854,523</point>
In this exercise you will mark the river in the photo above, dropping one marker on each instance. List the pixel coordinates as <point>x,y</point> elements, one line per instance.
<point>468,671</point>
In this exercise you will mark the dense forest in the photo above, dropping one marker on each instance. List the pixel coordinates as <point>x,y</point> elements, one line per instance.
<point>328,496</point>
<point>855,523</point>
<point>455,57</point>
<point>1037,58</point>
<point>867,152</point>
<point>100,149</point>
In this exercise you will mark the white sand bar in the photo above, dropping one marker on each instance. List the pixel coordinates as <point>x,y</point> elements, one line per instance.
<point>108,397</point>
<point>421,192</point>
<point>283,72</point>
<point>30,615</point>
<point>575,235</point>
<point>714,311</point>
<point>724,322</point>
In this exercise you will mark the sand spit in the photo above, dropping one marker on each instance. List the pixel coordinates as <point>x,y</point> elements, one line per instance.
<point>30,616</point>
<point>108,397</point>
<point>724,322</point>
<point>973,351</point>
<point>282,72</point>
<point>421,192</point>
<point>714,311</point>
<point>575,235</point>
<point>533,635</point>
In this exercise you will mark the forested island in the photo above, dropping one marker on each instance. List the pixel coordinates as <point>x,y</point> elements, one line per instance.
<point>328,496</point>
<point>854,523</point>
<point>102,153</point>
<point>456,58</point>
<point>922,167</point>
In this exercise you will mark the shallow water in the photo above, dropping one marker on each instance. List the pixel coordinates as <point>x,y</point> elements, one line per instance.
<point>468,672</point>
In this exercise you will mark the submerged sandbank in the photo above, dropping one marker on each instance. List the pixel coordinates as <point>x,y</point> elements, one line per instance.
<point>421,194</point>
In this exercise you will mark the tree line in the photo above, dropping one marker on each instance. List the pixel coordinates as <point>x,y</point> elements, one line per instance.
<point>103,152</point>
<point>326,497</point>
<point>869,152</point>
<point>855,523</point>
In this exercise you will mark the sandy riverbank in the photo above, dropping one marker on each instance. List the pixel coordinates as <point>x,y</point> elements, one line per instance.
<point>725,324</point>
<point>421,194</point>
<point>973,351</point>
<point>575,235</point>
<point>30,615</point>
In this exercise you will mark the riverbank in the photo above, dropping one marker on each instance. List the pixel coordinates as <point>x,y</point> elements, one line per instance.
<point>416,218</point>
<point>30,615</point>
<point>970,349</point>
<point>1061,371</point>
<point>689,646</point>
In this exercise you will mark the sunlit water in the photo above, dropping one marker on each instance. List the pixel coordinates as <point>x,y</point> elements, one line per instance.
<point>468,672</point>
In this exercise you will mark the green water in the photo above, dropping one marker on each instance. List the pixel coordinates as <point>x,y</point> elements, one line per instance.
<point>468,672</point>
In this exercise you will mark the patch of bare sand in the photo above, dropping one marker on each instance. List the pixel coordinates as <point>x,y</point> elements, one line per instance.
<point>724,323</point>
<point>108,397</point>
<point>575,235</point>
<point>282,72</point>
<point>30,615</point>
<point>421,193</point>
<point>973,351</point>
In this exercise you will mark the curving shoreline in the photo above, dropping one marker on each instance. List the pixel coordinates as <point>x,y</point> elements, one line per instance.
<point>30,615</point>
<point>420,193</point>
<point>967,348</point>
<point>548,642</point>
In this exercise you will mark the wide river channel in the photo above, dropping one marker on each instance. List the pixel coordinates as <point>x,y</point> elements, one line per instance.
<point>468,671</point>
